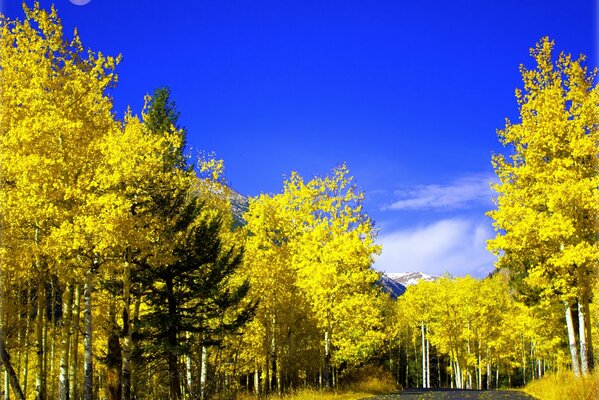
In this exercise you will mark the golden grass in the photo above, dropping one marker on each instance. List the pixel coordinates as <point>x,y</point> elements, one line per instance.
<point>366,382</point>
<point>564,386</point>
<point>373,380</point>
<point>312,394</point>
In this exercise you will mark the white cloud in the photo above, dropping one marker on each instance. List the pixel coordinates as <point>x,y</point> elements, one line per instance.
<point>461,193</point>
<point>457,246</point>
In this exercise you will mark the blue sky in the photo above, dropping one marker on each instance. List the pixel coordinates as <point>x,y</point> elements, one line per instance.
<point>409,94</point>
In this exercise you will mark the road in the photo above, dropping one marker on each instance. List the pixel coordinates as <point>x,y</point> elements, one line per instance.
<point>449,394</point>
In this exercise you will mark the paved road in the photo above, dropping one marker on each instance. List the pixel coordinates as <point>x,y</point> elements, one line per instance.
<point>449,394</point>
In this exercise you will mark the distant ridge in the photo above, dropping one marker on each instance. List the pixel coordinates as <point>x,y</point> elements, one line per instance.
<point>239,206</point>
<point>411,278</point>
<point>394,289</point>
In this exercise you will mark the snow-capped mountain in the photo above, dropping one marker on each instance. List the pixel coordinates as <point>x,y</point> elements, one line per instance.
<point>410,278</point>
<point>391,287</point>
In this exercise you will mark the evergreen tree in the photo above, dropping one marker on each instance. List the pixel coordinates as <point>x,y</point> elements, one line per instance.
<point>192,294</point>
<point>162,117</point>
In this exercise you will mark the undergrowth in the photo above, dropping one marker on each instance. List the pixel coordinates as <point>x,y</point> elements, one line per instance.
<point>564,386</point>
<point>358,384</point>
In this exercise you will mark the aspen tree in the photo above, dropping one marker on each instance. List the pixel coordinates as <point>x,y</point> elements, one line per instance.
<point>548,195</point>
<point>417,304</point>
<point>53,112</point>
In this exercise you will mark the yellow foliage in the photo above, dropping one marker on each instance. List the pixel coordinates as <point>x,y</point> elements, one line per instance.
<point>548,195</point>
<point>308,253</point>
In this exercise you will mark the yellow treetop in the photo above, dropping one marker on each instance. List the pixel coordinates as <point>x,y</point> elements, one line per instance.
<point>548,195</point>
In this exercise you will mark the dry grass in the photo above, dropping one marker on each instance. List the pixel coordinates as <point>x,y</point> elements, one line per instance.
<point>363,383</point>
<point>369,379</point>
<point>312,394</point>
<point>564,386</point>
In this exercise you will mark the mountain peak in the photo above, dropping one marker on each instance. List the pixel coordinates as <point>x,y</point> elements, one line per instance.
<point>411,278</point>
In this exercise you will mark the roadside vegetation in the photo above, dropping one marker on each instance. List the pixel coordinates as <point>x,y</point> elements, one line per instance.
<point>564,385</point>
<point>362,383</point>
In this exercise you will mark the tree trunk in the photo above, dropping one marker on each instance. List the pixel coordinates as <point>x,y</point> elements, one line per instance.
<point>40,389</point>
<point>458,375</point>
<point>171,337</point>
<point>407,373</point>
<point>88,382</point>
<point>428,359</point>
<point>188,374</point>
<point>113,358</point>
<point>438,366</point>
<point>497,376</point>
<point>257,382</point>
<point>13,378</point>
<point>19,331</point>
<point>266,382</point>
<point>327,360</point>
<point>334,375</point>
<point>45,352</point>
<point>488,371</point>
<point>590,349</point>
<point>584,359</point>
<point>423,356</point>
<point>6,385</point>
<point>63,381</point>
<point>173,370</point>
<point>29,312</point>
<point>126,368</point>
<point>572,340</point>
<point>74,343</point>
<point>273,356</point>
<point>479,376</point>
<point>52,310</point>
<point>134,330</point>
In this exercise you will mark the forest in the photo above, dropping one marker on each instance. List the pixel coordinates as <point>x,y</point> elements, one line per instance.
<point>125,273</point>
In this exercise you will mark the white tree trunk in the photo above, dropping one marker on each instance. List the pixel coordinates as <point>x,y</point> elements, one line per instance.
<point>327,359</point>
<point>29,307</point>
<point>74,342</point>
<point>53,346</point>
<point>6,384</point>
<point>458,375</point>
<point>126,349</point>
<point>204,372</point>
<point>497,376</point>
<point>257,381</point>
<point>479,376</point>
<point>88,361</point>
<point>40,390</point>
<point>428,359</point>
<point>188,367</point>
<point>584,360</point>
<point>572,341</point>
<point>423,356</point>
<point>63,381</point>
